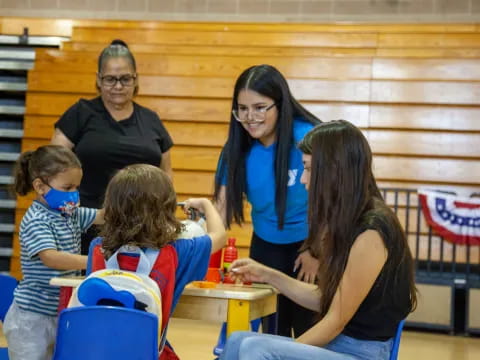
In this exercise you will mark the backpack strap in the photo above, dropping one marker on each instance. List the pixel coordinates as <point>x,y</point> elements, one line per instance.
<point>163,340</point>
<point>146,261</point>
<point>166,264</point>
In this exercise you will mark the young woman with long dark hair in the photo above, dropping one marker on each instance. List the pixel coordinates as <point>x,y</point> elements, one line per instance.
<point>365,275</point>
<point>260,162</point>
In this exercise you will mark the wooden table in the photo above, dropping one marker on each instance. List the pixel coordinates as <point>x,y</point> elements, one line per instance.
<point>235,304</point>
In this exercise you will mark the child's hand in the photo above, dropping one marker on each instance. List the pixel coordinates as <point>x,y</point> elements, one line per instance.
<point>197,204</point>
<point>214,223</point>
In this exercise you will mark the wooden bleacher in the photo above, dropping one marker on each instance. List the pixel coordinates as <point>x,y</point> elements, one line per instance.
<point>413,89</point>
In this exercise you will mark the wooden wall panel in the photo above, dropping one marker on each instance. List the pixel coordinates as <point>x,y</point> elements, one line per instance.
<point>427,169</point>
<point>412,89</point>
<point>460,189</point>
<point>424,143</point>
<point>435,117</point>
<point>63,27</point>
<point>209,87</point>
<point>237,38</point>
<point>385,167</point>
<point>284,27</point>
<point>382,141</point>
<point>210,65</point>
<point>36,26</point>
<point>440,40</point>
<point>291,67</point>
<point>338,52</point>
<point>432,52</point>
<point>277,51</point>
<point>211,110</point>
<point>426,69</point>
<point>426,92</point>
<point>201,110</point>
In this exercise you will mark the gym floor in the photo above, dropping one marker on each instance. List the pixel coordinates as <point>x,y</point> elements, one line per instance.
<point>194,340</point>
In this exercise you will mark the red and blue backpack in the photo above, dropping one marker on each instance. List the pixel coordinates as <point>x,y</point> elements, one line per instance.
<point>161,267</point>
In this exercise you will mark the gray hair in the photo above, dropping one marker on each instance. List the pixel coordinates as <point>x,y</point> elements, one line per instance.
<point>117,49</point>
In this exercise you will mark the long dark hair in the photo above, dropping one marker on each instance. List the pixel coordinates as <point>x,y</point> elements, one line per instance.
<point>267,81</point>
<point>140,205</point>
<point>44,163</point>
<point>343,198</point>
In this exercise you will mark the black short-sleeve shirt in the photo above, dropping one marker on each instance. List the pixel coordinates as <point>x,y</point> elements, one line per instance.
<point>388,301</point>
<point>105,145</point>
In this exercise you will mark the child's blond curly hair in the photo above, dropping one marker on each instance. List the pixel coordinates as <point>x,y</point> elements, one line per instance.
<point>140,205</point>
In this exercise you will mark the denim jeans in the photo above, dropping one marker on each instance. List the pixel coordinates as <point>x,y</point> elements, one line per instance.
<point>244,345</point>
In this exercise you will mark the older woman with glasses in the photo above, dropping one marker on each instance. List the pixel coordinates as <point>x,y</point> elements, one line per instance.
<point>260,162</point>
<point>111,131</point>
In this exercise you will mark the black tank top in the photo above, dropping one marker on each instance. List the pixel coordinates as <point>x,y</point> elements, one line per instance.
<point>388,302</point>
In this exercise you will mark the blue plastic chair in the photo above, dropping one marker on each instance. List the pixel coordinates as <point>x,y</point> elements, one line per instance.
<point>3,354</point>
<point>222,337</point>
<point>7,284</point>
<point>396,341</point>
<point>107,333</point>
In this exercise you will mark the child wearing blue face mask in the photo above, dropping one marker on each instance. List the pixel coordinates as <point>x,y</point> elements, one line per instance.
<point>50,246</point>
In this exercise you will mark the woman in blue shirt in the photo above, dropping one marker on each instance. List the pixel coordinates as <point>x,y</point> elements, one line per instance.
<point>260,161</point>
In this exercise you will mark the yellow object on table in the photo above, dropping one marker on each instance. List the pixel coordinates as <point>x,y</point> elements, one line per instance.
<point>204,284</point>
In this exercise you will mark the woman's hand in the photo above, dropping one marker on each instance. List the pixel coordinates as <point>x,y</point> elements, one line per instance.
<point>308,267</point>
<point>248,270</point>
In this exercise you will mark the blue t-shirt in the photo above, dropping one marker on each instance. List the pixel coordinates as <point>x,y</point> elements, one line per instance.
<point>260,169</point>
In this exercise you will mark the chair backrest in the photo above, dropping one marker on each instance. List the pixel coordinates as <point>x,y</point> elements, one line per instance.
<point>396,341</point>
<point>8,285</point>
<point>4,354</point>
<point>107,333</point>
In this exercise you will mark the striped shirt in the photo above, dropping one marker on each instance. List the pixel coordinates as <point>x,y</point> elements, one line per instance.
<point>43,228</point>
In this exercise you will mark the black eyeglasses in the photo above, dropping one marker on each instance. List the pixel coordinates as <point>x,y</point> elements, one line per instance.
<point>111,81</point>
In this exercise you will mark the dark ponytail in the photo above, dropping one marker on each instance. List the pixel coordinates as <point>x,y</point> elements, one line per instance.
<point>22,182</point>
<point>44,163</point>
<point>119,42</point>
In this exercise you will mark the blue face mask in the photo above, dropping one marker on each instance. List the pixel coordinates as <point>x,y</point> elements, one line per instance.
<point>64,201</point>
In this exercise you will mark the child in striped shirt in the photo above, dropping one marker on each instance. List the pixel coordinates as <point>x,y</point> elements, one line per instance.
<point>50,246</point>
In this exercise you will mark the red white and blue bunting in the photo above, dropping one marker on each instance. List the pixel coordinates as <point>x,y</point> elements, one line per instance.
<point>457,219</point>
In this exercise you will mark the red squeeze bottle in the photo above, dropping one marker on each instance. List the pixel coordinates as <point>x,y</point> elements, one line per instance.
<point>230,254</point>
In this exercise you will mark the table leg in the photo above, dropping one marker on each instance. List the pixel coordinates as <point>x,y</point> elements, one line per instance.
<point>238,316</point>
